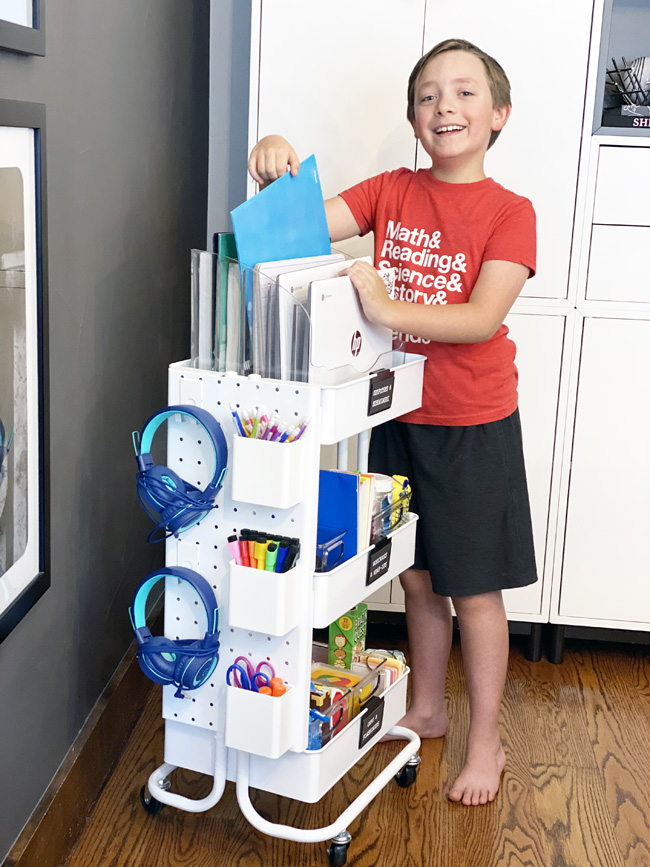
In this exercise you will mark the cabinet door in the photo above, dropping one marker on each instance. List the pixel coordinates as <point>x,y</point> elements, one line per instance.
<point>529,40</point>
<point>606,564</point>
<point>539,339</point>
<point>333,79</point>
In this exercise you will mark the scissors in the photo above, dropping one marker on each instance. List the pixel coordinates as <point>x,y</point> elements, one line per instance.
<point>244,662</point>
<point>247,677</point>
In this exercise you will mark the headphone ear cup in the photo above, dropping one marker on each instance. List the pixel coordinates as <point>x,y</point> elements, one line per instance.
<point>179,518</point>
<point>160,666</point>
<point>193,671</point>
<point>159,488</point>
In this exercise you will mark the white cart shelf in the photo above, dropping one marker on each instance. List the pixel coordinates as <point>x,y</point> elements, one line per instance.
<point>245,737</point>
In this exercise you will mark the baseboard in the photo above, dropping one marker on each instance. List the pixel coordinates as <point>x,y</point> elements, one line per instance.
<point>53,829</point>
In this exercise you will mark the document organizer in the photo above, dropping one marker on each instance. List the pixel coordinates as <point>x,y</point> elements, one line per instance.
<point>265,620</point>
<point>296,320</point>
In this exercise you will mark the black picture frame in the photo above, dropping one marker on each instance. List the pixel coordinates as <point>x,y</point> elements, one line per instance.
<point>31,116</point>
<point>25,40</point>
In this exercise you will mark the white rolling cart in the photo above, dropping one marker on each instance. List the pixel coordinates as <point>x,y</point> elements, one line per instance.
<point>231,733</point>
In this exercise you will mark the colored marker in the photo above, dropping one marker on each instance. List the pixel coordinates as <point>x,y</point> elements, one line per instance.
<point>233,547</point>
<point>291,557</point>
<point>271,557</point>
<point>260,552</point>
<point>283,550</point>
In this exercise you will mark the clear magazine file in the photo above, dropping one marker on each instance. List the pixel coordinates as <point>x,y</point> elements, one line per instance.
<point>292,320</point>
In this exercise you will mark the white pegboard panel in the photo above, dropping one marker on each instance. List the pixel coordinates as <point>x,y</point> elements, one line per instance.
<point>205,545</point>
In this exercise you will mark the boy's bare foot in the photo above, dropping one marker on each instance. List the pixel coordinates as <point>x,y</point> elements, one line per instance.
<point>424,726</point>
<point>478,782</point>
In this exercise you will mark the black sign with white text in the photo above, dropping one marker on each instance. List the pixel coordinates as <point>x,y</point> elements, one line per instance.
<point>372,720</point>
<point>378,561</point>
<point>381,391</point>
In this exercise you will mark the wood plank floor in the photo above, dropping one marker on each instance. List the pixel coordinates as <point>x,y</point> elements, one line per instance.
<point>575,792</point>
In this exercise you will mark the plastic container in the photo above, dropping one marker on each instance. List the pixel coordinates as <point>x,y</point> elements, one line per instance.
<point>330,545</point>
<point>267,473</point>
<point>381,506</point>
<point>258,724</point>
<point>263,601</point>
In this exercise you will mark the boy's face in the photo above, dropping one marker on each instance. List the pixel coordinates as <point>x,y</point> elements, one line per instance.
<point>454,114</point>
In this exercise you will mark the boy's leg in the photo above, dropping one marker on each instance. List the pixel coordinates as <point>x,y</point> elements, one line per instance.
<point>484,640</point>
<point>428,618</point>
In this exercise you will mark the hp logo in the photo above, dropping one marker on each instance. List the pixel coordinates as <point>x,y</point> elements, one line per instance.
<point>355,345</point>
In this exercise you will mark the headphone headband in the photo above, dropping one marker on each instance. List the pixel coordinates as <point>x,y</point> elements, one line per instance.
<point>210,425</point>
<point>179,504</point>
<point>198,582</point>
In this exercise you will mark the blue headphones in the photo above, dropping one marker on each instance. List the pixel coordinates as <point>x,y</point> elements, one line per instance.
<point>179,504</point>
<point>185,663</point>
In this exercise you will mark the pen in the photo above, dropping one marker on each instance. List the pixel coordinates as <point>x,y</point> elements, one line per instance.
<point>237,421</point>
<point>301,429</point>
<point>271,557</point>
<point>279,431</point>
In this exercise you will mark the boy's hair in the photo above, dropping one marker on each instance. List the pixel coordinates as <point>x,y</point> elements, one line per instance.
<point>497,79</point>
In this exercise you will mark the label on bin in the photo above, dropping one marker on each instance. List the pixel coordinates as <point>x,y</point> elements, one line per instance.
<point>381,391</point>
<point>378,561</point>
<point>372,720</point>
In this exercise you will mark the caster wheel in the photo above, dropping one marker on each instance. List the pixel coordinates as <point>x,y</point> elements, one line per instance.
<point>150,804</point>
<point>338,854</point>
<point>406,776</point>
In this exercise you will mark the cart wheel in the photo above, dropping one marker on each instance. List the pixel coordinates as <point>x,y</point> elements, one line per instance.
<point>150,804</point>
<point>338,854</point>
<point>406,776</point>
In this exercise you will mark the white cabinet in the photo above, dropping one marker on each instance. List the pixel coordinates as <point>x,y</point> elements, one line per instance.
<point>605,577</point>
<point>623,186</point>
<point>528,39</point>
<point>332,80</point>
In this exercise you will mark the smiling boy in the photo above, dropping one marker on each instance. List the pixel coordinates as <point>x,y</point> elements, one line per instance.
<point>463,248</point>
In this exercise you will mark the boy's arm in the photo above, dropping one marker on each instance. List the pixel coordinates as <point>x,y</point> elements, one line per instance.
<point>270,159</point>
<point>495,291</point>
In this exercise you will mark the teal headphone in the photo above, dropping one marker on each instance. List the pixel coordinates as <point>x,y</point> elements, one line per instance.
<point>186,663</point>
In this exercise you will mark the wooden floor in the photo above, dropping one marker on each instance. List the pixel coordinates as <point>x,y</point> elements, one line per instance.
<point>575,793</point>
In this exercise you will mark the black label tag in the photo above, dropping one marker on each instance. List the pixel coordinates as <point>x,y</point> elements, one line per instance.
<point>381,391</point>
<point>372,720</point>
<point>378,561</point>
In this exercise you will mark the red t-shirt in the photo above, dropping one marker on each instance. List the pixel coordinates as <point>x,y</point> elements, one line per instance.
<point>437,235</point>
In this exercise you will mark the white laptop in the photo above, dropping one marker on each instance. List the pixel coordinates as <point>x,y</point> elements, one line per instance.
<point>344,343</point>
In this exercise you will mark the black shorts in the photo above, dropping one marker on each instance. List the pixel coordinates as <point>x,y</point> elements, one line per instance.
<point>474,532</point>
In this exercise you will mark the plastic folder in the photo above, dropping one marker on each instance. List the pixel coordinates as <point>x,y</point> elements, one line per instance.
<point>284,221</point>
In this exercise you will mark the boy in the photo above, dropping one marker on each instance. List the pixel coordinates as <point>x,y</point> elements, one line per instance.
<point>463,247</point>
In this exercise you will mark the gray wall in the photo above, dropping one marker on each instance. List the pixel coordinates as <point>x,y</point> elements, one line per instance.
<point>230,38</point>
<point>126,89</point>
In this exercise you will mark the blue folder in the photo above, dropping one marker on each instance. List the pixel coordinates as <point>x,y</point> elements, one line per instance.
<point>284,221</point>
<point>338,506</point>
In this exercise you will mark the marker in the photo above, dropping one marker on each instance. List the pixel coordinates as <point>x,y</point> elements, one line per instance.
<point>233,547</point>
<point>260,552</point>
<point>283,550</point>
<point>292,556</point>
<point>287,434</point>
<point>271,557</point>
<point>251,552</point>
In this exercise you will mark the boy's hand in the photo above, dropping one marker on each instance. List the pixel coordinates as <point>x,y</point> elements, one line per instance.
<point>372,292</point>
<point>269,160</point>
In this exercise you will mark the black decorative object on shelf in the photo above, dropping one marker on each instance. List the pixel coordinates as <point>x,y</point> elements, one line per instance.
<point>628,83</point>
